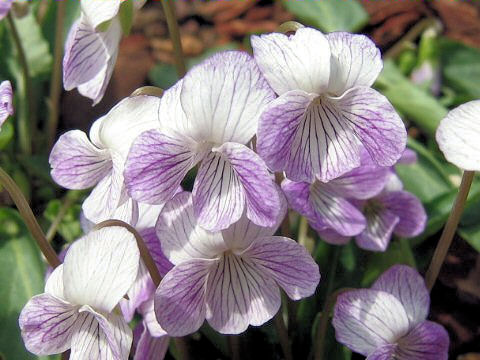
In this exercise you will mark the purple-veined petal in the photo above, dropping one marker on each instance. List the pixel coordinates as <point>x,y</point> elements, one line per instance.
<point>457,136</point>
<point>147,309</point>
<point>381,223</point>
<point>295,62</point>
<point>77,163</point>
<point>375,123</point>
<point>100,267</point>
<point>409,210</point>
<point>298,194</point>
<point>239,294</point>
<point>223,98</point>
<point>156,165</point>
<point>331,236</point>
<point>6,95</point>
<point>356,61</point>
<point>54,282</point>
<point>335,211</point>
<point>408,157</point>
<point>46,323</point>
<point>386,352</point>
<point>406,284</point>
<point>99,11</point>
<point>149,347</point>
<point>287,262</point>
<point>155,248</point>
<point>180,298</point>
<point>230,179</point>
<point>367,319</point>
<point>180,235</point>
<point>5,6</point>
<point>427,341</point>
<point>141,290</point>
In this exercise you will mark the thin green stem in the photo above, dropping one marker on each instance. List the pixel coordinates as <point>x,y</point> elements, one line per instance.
<point>283,335</point>
<point>68,201</point>
<point>169,10</point>
<point>56,80</point>
<point>449,230</point>
<point>26,124</point>
<point>333,270</point>
<point>29,218</point>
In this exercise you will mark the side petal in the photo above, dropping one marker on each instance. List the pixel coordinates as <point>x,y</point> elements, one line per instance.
<point>149,347</point>
<point>181,237</point>
<point>46,323</point>
<point>54,283</point>
<point>99,11</point>
<point>147,309</point>
<point>386,352</point>
<point>298,194</point>
<point>356,61</point>
<point>223,98</point>
<point>331,236</point>
<point>287,262</point>
<point>141,290</point>
<point>380,225</point>
<point>156,165</point>
<point>6,94</point>
<point>409,288</point>
<point>457,136</point>
<point>291,62</point>
<point>152,242</point>
<point>180,298</point>
<point>375,123</point>
<point>77,163</point>
<point>427,341</point>
<point>240,294</point>
<point>100,267</point>
<point>409,210</point>
<point>367,319</point>
<point>335,211</point>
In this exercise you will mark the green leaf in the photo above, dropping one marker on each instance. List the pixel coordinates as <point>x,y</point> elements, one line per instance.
<point>410,100</point>
<point>22,272</point>
<point>126,16</point>
<point>69,226</point>
<point>329,15</point>
<point>6,135</point>
<point>163,75</point>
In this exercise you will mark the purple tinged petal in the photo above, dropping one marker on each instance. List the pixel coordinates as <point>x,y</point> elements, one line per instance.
<point>386,352</point>
<point>78,164</point>
<point>147,309</point>
<point>427,341</point>
<point>223,98</point>
<point>156,165</point>
<point>5,6</point>
<point>408,157</point>
<point>155,248</point>
<point>99,11</point>
<point>365,320</point>
<point>287,262</point>
<point>331,236</point>
<point>290,62</point>
<point>54,281</point>
<point>239,294</point>
<point>406,284</point>
<point>180,298</point>
<point>141,290</point>
<point>356,61</point>
<point>149,347</point>
<point>46,323</point>
<point>298,194</point>
<point>375,123</point>
<point>6,96</point>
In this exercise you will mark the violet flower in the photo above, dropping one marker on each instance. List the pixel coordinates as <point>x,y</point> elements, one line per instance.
<point>458,135</point>
<point>230,278</point>
<point>5,6</point>
<point>76,310</point>
<point>80,163</point>
<point>388,321</point>
<point>326,110</point>
<point>6,101</point>
<point>209,117</point>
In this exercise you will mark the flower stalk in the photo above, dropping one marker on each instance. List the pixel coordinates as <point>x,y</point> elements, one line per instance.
<point>169,10</point>
<point>449,230</point>
<point>283,335</point>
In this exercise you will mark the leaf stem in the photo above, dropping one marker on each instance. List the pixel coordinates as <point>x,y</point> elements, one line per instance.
<point>449,230</point>
<point>26,123</point>
<point>56,79</point>
<point>169,10</point>
<point>29,218</point>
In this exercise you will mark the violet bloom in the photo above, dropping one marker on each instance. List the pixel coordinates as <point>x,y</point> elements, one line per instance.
<point>5,6</point>
<point>328,205</point>
<point>230,278</point>
<point>90,52</point>
<point>209,117</point>
<point>6,101</point>
<point>458,135</point>
<point>81,163</point>
<point>77,309</point>
<point>388,321</point>
<point>326,110</point>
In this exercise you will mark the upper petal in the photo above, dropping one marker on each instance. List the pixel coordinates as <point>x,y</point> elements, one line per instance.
<point>457,136</point>
<point>367,319</point>
<point>99,11</point>
<point>6,96</point>
<point>181,236</point>
<point>287,262</point>
<point>409,288</point>
<point>427,341</point>
<point>294,62</point>
<point>77,163</point>
<point>100,267</point>
<point>356,61</point>
<point>46,323</point>
<point>223,98</point>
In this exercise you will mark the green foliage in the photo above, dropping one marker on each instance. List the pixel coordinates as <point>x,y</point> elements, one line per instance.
<point>126,16</point>
<point>69,227</point>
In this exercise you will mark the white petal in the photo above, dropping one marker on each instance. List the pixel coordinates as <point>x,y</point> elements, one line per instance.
<point>100,267</point>
<point>99,11</point>
<point>54,284</point>
<point>458,136</point>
